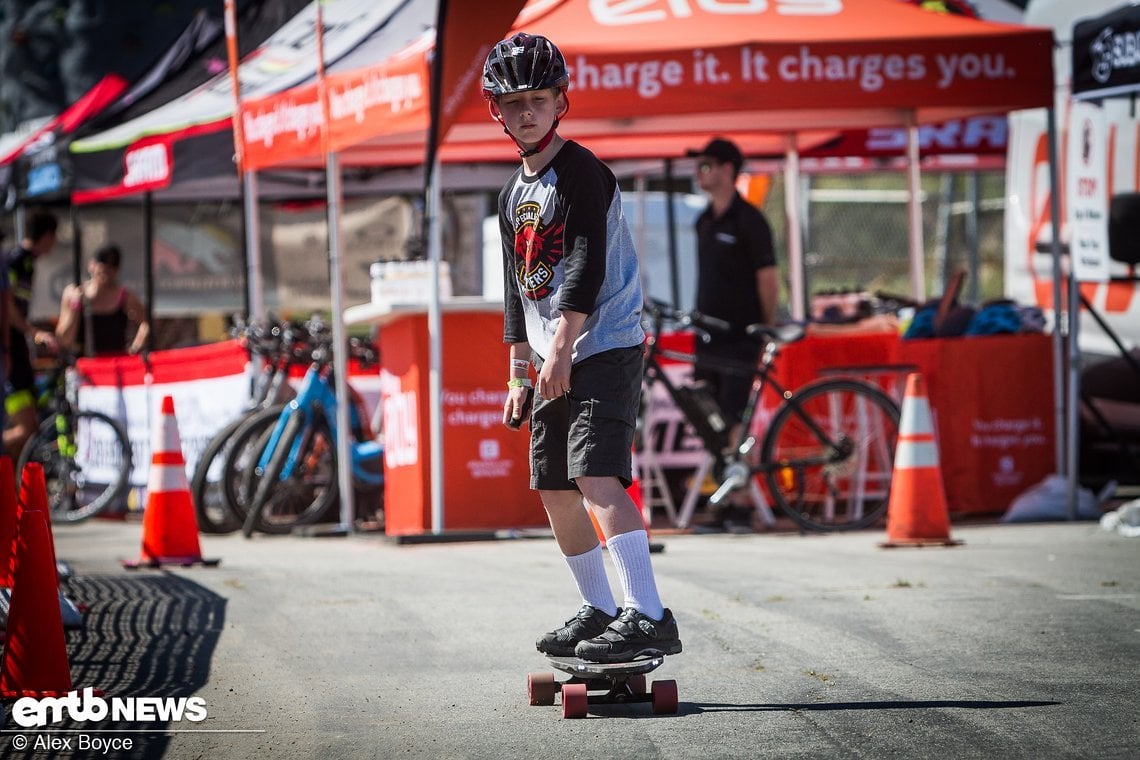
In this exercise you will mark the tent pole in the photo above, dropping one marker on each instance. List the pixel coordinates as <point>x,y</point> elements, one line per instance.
<point>340,346</point>
<point>640,186</point>
<point>254,293</point>
<point>972,196</point>
<point>1059,436</point>
<point>795,238</point>
<point>148,264</point>
<point>76,246</point>
<point>671,235</point>
<point>943,260</point>
<point>914,216</point>
<point>435,333</point>
<point>1071,440</point>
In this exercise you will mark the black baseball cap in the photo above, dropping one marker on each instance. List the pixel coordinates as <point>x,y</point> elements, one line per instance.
<point>721,150</point>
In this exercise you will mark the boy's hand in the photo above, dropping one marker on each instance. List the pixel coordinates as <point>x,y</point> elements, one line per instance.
<point>517,407</point>
<point>554,379</point>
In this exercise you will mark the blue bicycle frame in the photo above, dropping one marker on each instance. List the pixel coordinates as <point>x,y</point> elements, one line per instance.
<point>316,394</point>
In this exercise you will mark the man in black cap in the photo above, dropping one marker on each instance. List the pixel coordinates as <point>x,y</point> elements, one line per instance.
<point>737,281</point>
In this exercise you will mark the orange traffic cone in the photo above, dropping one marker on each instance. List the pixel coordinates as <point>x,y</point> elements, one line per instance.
<point>8,518</point>
<point>170,531</point>
<point>35,655</point>
<point>917,514</point>
<point>33,497</point>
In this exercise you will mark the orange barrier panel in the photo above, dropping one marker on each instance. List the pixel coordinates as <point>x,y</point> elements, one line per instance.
<point>486,470</point>
<point>992,399</point>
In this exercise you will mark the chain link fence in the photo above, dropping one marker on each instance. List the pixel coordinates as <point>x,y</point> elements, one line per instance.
<point>856,234</point>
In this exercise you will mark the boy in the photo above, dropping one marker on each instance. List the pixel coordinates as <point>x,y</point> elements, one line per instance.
<point>573,305</point>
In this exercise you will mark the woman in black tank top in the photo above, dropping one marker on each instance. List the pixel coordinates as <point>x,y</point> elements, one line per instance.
<point>96,316</point>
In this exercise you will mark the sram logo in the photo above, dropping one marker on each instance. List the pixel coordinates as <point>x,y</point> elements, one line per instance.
<point>622,12</point>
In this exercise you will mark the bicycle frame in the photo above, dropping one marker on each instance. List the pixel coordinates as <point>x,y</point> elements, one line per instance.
<point>831,470</point>
<point>316,394</point>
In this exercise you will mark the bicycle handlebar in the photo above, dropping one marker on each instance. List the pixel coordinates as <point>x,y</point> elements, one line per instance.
<point>700,323</point>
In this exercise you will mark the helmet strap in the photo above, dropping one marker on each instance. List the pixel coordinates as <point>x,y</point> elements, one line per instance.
<point>523,152</point>
<point>545,141</point>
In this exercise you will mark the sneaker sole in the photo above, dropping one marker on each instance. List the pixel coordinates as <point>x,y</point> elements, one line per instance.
<point>642,654</point>
<point>556,652</point>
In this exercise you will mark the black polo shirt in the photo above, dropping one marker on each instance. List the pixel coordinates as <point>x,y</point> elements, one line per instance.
<point>730,250</point>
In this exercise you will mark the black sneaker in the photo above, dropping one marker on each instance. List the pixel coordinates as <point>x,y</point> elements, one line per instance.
<point>588,623</point>
<point>633,636</point>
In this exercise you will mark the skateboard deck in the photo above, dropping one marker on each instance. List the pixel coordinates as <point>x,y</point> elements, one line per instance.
<point>611,682</point>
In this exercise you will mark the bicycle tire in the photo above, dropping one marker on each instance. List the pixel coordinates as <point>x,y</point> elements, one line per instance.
<point>305,496</point>
<point>75,486</point>
<point>206,488</point>
<point>248,441</point>
<point>832,488</point>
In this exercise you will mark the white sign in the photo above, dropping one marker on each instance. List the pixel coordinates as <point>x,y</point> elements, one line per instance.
<point>1087,194</point>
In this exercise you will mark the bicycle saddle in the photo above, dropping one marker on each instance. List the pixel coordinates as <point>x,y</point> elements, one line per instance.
<point>787,333</point>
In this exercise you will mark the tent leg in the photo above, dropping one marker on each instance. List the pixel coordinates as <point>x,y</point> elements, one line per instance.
<point>914,218</point>
<point>254,292</point>
<point>796,296</point>
<point>340,349</point>
<point>1059,395</point>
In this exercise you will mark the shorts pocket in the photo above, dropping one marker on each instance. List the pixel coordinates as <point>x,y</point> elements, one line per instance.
<point>606,409</point>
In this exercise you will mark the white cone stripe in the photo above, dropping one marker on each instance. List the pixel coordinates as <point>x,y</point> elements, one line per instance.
<point>916,418</point>
<point>166,436</point>
<point>914,454</point>
<point>167,478</point>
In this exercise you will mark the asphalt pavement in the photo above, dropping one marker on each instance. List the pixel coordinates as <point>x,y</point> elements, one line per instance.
<point>1021,643</point>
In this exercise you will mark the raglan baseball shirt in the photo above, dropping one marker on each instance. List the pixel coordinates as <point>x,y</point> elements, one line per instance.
<point>566,245</point>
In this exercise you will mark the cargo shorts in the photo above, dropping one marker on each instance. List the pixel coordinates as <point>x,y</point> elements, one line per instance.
<point>589,431</point>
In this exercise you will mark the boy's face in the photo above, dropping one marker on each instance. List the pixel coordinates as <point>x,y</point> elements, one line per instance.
<point>530,115</point>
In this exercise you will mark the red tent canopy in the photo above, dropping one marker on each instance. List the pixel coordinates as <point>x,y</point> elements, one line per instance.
<point>653,74</point>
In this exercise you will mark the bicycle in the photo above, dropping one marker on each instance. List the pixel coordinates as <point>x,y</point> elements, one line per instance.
<point>294,481</point>
<point>279,347</point>
<point>827,455</point>
<point>85,454</point>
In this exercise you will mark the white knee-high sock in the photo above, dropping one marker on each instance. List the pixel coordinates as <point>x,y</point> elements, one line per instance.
<point>630,552</point>
<point>589,573</point>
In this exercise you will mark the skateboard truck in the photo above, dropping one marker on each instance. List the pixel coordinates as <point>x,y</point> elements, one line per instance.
<point>611,683</point>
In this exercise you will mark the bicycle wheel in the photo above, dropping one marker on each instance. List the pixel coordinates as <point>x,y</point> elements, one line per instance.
<point>828,455</point>
<point>305,494</point>
<point>246,445</point>
<point>206,487</point>
<point>86,457</point>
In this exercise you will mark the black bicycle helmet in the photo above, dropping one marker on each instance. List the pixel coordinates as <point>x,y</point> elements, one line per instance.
<point>522,63</point>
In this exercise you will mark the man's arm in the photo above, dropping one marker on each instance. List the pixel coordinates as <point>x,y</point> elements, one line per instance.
<point>16,320</point>
<point>768,287</point>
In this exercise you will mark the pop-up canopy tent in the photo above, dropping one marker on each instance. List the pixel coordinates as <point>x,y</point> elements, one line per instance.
<point>654,77</point>
<point>191,139</point>
<point>641,71</point>
<point>43,166</point>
